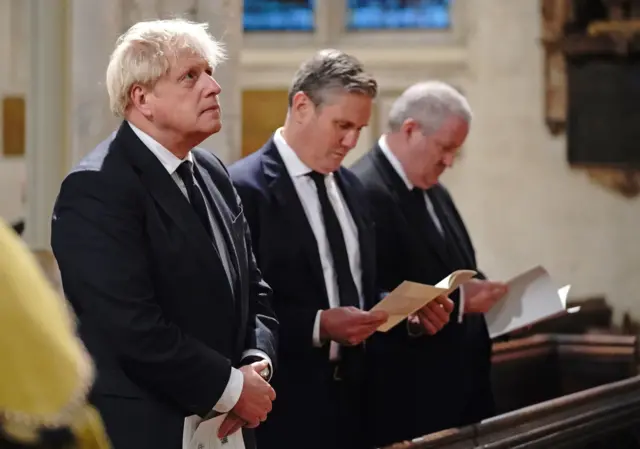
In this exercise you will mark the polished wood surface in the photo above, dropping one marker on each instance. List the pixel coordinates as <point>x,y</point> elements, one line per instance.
<point>605,417</point>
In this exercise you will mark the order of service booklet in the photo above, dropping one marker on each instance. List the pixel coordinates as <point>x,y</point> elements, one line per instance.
<point>409,297</point>
<point>532,297</point>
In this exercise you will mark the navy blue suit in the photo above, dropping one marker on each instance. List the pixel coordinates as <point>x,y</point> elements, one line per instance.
<point>432,382</point>
<point>312,410</point>
<point>155,306</point>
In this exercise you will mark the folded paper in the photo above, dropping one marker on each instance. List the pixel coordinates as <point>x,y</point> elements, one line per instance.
<point>409,297</point>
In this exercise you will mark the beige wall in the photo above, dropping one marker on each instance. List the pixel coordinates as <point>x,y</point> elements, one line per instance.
<point>521,202</point>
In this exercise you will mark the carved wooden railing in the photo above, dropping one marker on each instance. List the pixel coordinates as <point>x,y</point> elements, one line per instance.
<point>531,370</point>
<point>605,417</point>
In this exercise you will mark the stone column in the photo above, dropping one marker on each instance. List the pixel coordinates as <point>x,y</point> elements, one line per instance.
<point>225,23</point>
<point>46,101</point>
<point>95,25</point>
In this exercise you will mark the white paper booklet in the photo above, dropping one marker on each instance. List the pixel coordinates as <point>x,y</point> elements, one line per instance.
<point>532,297</point>
<point>199,434</point>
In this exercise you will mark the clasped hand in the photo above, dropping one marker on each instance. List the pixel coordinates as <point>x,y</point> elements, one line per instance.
<point>254,403</point>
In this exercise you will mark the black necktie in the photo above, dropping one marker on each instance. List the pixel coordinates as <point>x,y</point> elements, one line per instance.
<point>346,285</point>
<point>421,211</point>
<point>195,195</point>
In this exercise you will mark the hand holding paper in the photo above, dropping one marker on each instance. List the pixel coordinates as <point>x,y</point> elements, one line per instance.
<point>435,315</point>
<point>481,295</point>
<point>350,326</point>
<point>410,297</point>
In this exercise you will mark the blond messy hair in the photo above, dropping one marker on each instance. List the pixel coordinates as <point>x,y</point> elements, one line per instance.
<point>144,53</point>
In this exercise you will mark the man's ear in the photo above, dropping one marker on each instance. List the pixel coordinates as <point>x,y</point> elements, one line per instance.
<point>301,107</point>
<point>139,98</point>
<point>409,127</point>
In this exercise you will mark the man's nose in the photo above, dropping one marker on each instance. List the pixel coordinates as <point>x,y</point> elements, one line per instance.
<point>350,140</point>
<point>212,85</point>
<point>448,159</point>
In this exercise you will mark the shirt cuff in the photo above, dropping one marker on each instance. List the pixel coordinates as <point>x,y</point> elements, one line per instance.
<point>262,355</point>
<point>461,304</point>
<point>317,343</point>
<point>231,393</point>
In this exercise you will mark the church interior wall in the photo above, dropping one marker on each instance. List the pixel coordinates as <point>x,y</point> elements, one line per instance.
<point>521,201</point>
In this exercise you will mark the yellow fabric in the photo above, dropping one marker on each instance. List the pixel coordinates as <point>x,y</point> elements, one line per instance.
<point>45,371</point>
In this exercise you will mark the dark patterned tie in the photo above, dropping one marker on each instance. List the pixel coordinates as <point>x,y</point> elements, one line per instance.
<point>195,195</point>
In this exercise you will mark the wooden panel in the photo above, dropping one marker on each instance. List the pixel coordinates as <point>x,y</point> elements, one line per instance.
<point>263,111</point>
<point>13,126</point>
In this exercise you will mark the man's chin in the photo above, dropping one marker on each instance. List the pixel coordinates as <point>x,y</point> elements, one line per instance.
<point>212,128</point>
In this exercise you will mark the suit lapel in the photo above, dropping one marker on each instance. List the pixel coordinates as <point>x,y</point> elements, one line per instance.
<point>366,239</point>
<point>283,190</point>
<point>222,214</point>
<point>167,194</point>
<point>419,221</point>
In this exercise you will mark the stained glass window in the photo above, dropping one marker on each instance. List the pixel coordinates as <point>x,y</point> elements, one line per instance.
<point>398,14</point>
<point>278,15</point>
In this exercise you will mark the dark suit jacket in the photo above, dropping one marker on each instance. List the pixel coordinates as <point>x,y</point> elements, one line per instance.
<point>432,382</point>
<point>311,410</point>
<point>155,308</point>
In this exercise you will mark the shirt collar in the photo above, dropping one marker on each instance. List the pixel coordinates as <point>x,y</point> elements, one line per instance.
<point>295,167</point>
<point>393,160</point>
<point>169,161</point>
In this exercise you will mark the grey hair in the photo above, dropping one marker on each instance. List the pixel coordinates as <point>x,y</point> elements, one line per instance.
<point>144,53</point>
<point>429,103</point>
<point>331,69</point>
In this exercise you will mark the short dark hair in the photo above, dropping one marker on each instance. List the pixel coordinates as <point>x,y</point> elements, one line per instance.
<point>331,69</point>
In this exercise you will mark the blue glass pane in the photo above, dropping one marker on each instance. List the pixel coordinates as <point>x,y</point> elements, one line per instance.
<point>390,14</point>
<point>278,15</point>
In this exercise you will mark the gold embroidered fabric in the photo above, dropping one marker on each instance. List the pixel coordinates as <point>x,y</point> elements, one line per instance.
<point>45,372</point>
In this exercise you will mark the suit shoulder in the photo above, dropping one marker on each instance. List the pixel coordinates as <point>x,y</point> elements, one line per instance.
<point>247,172</point>
<point>103,173</point>
<point>209,160</point>
<point>445,192</point>
<point>362,166</point>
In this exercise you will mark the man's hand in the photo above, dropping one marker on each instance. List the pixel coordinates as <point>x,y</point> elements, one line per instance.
<point>480,296</point>
<point>231,424</point>
<point>350,326</point>
<point>255,400</point>
<point>434,316</point>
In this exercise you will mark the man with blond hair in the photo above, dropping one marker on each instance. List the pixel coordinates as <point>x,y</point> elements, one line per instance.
<point>155,253</point>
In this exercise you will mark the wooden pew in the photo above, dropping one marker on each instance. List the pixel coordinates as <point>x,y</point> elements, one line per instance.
<point>604,417</point>
<point>543,367</point>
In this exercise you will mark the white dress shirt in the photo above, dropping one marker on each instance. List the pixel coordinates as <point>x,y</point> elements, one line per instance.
<point>171,162</point>
<point>397,166</point>
<point>308,195</point>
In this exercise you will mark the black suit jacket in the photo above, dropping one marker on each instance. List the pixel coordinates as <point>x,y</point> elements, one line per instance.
<point>155,307</point>
<point>311,410</point>
<point>432,382</point>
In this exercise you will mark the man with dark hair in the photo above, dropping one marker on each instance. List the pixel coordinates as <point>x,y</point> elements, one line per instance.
<point>314,243</point>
